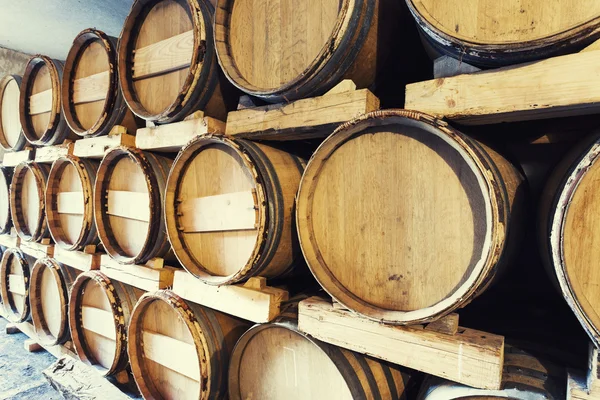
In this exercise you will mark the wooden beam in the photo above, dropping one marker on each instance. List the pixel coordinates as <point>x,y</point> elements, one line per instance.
<point>165,56</point>
<point>77,259</point>
<point>12,159</point>
<point>131,205</point>
<point>16,284</point>
<point>41,102</point>
<point>70,203</point>
<point>470,357</point>
<point>145,277</point>
<point>97,146</point>
<point>49,154</point>
<point>31,346</point>
<point>172,137</point>
<point>98,321</point>
<point>91,88</point>
<point>37,250</point>
<point>560,86</point>
<point>174,354</point>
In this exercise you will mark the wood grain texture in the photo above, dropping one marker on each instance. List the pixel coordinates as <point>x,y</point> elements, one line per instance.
<point>144,277</point>
<point>90,88</point>
<point>11,133</point>
<point>41,102</point>
<point>172,137</point>
<point>14,285</point>
<point>164,56</point>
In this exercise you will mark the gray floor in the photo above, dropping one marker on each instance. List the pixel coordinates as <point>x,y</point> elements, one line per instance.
<point>21,372</point>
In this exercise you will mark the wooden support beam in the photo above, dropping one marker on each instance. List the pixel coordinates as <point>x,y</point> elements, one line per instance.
<point>91,88</point>
<point>10,239</point>
<point>96,147</point>
<point>165,56</point>
<point>152,276</point>
<point>79,260</point>
<point>49,154</point>
<point>11,329</point>
<point>12,159</point>
<point>37,250</point>
<point>41,102</point>
<point>32,346</point>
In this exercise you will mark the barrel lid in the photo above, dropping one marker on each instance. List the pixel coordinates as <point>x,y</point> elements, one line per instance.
<point>5,218</point>
<point>27,203</point>
<point>11,132</point>
<point>14,284</point>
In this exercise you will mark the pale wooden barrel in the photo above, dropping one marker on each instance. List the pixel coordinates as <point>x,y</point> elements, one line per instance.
<point>500,32</point>
<point>229,209</point>
<point>404,219</point>
<point>128,196</point>
<point>14,284</point>
<point>5,218</point>
<point>167,62</point>
<point>180,350</point>
<point>99,313</point>
<point>49,288</point>
<point>27,200</point>
<point>276,361</point>
<point>11,133</point>
<point>40,107</point>
<point>91,96</point>
<point>69,202</point>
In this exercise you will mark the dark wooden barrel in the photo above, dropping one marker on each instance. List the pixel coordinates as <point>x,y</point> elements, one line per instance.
<point>229,209</point>
<point>91,95</point>
<point>502,32</point>
<point>69,202</point>
<point>14,284</point>
<point>27,200</point>
<point>49,287</point>
<point>393,193</point>
<point>40,107</point>
<point>180,350</point>
<point>167,62</point>
<point>11,133</point>
<point>5,217</point>
<point>99,313</point>
<point>128,197</point>
<point>276,361</point>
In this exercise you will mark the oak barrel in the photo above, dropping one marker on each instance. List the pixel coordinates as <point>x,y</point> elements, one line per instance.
<point>404,219</point>
<point>128,205</point>
<point>69,202</point>
<point>229,209</point>
<point>14,284</point>
<point>40,107</point>
<point>502,32</point>
<point>167,62</point>
<point>5,218</point>
<point>180,350</point>
<point>568,231</point>
<point>11,133</point>
<point>49,287</point>
<point>27,200</point>
<point>99,313</point>
<point>291,50</point>
<point>276,361</point>
<point>91,96</point>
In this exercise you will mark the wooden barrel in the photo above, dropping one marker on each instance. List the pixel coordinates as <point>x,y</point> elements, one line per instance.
<point>130,187</point>
<point>50,285</point>
<point>180,350</point>
<point>276,361</point>
<point>27,200</point>
<point>11,133</point>
<point>5,218</point>
<point>99,313</point>
<point>568,231</point>
<point>524,377</point>
<point>167,62</point>
<point>14,284</point>
<point>39,104</point>
<point>229,209</point>
<point>69,202</point>
<point>404,219</point>
<point>91,95</point>
<point>502,32</point>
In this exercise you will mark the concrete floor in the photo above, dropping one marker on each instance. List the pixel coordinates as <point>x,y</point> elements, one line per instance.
<point>21,372</point>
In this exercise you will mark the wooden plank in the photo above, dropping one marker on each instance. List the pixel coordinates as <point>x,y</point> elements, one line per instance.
<point>12,159</point>
<point>174,354</point>
<point>91,88</point>
<point>31,346</point>
<point>70,203</point>
<point>37,250</point>
<point>165,56</point>
<point>560,86</point>
<point>48,154</point>
<point>172,137</point>
<point>9,240</point>
<point>254,304</point>
<point>470,357</point>
<point>77,259</point>
<point>132,205</point>
<point>301,119</point>
<point>16,284</point>
<point>223,212</point>
<point>578,389</point>
<point>98,321</point>
<point>97,146</point>
<point>41,102</point>
<point>141,276</point>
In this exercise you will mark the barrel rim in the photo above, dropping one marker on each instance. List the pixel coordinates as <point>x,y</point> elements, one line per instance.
<point>7,224</point>
<point>16,189</point>
<point>20,144</point>
<point>37,316</point>
<point>492,192</point>
<point>52,215</point>
<point>9,308</point>
<point>187,316</point>
<point>185,155</point>
<point>80,43</point>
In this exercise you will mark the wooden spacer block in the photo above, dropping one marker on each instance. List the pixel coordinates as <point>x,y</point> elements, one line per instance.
<point>11,329</point>
<point>48,154</point>
<point>31,346</point>
<point>172,137</point>
<point>145,277</point>
<point>12,159</point>
<point>447,325</point>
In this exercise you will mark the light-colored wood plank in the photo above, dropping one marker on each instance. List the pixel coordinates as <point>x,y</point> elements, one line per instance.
<point>236,213</point>
<point>9,240</point>
<point>31,346</point>
<point>97,146</point>
<point>12,159</point>
<point>48,154</point>
<point>77,259</point>
<point>471,357</point>
<point>578,389</point>
<point>174,354</point>
<point>141,276</point>
<point>560,86</point>
<point>16,284</point>
<point>41,102</point>
<point>37,250</point>
<point>247,302</point>
<point>164,56</point>
<point>171,137</point>
<point>132,205</point>
<point>99,321</point>
<point>91,88</point>
<point>70,203</point>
